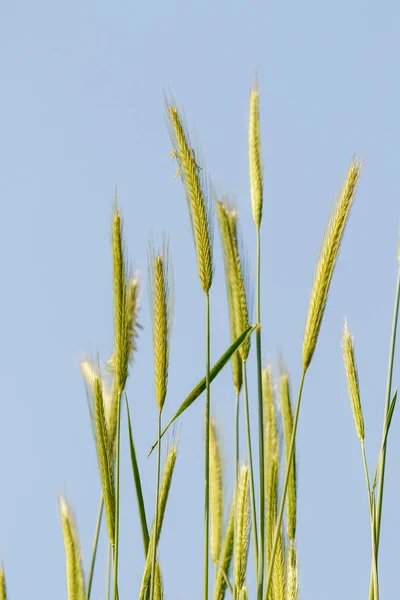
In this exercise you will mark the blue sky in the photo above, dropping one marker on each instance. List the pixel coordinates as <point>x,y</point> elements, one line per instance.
<point>82,110</point>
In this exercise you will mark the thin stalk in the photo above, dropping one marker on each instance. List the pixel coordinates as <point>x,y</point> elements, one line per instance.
<point>236,438</point>
<point>94,549</point>
<point>108,576</point>
<point>249,452</point>
<point>260,425</point>
<point>372,521</point>
<point>285,487</point>
<point>153,564</point>
<point>116,547</point>
<point>378,514</point>
<point>207,452</point>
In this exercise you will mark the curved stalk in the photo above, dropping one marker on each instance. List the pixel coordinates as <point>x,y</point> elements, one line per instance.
<point>116,546</point>
<point>249,452</point>
<point>207,452</point>
<point>372,521</point>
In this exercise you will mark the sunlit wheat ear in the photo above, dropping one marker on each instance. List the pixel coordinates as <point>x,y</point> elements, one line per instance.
<point>352,380</point>
<point>225,559</point>
<point>256,175</point>
<point>126,304</point>
<point>235,282</point>
<point>161,308</point>
<point>242,528</point>
<point>197,192</point>
<point>166,480</point>
<point>105,459</point>
<point>91,371</point>
<point>327,261</point>
<point>216,494</point>
<point>3,590</point>
<point>287,418</point>
<point>75,581</point>
<point>292,592</point>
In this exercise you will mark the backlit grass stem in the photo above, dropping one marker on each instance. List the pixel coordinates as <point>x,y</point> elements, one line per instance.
<point>94,548</point>
<point>117,489</point>
<point>251,473</point>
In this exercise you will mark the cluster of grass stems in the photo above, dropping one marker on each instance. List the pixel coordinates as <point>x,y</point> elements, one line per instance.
<point>262,497</point>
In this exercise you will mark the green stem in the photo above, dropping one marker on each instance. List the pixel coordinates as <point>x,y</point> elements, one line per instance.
<point>116,546</point>
<point>285,487</point>
<point>108,578</point>
<point>94,549</point>
<point>387,402</point>
<point>207,453</point>
<point>236,438</point>
<point>250,454</point>
<point>372,522</point>
<point>260,426</point>
<point>153,564</point>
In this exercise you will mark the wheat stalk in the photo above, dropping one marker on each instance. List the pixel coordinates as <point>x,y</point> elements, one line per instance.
<point>75,581</point>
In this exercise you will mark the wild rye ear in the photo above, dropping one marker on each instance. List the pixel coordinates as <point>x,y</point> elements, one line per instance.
<point>75,581</point>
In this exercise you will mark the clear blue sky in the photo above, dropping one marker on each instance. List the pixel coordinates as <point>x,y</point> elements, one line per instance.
<point>82,110</point>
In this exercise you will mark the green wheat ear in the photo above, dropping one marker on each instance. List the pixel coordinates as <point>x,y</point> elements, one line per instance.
<point>161,307</point>
<point>195,186</point>
<point>75,581</point>
<point>216,494</point>
<point>242,528</point>
<point>105,458</point>
<point>225,559</point>
<point>166,481</point>
<point>255,168</point>
<point>287,418</point>
<point>3,590</point>
<point>234,276</point>
<point>352,380</point>
<point>327,261</point>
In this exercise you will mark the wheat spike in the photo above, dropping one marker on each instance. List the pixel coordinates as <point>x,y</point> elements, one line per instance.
<point>166,480</point>
<point>243,594</point>
<point>105,459</point>
<point>352,380</point>
<point>235,283</point>
<point>196,197</point>
<point>327,261</point>
<point>161,308</point>
<point>242,528</point>
<point>287,418</point>
<point>225,557</point>
<point>216,494</point>
<point>256,175</point>
<point>75,581</point>
<point>3,590</point>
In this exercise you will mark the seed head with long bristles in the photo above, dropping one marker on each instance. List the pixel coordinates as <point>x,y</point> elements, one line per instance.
<point>234,276</point>
<point>195,189</point>
<point>327,261</point>
<point>256,175</point>
<point>216,494</point>
<point>161,307</point>
<point>352,380</point>
<point>242,529</point>
<point>287,418</point>
<point>3,590</point>
<point>75,581</point>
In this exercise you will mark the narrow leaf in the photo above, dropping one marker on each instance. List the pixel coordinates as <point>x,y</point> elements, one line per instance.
<point>201,386</point>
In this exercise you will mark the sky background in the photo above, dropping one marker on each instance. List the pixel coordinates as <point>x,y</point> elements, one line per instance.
<point>82,110</point>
